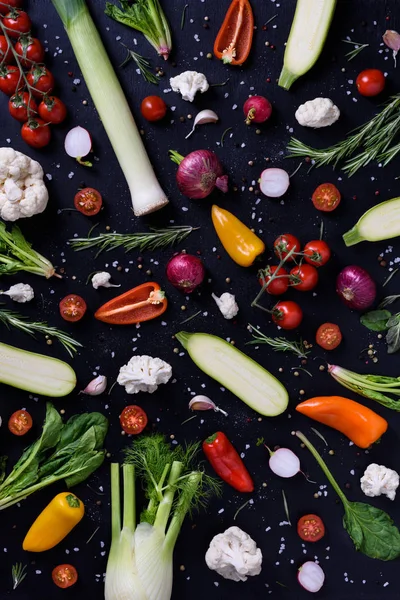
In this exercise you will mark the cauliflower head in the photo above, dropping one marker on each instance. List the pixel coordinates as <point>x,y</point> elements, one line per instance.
<point>227,305</point>
<point>320,112</point>
<point>20,292</point>
<point>22,189</point>
<point>234,555</point>
<point>188,84</point>
<point>378,480</point>
<point>144,374</point>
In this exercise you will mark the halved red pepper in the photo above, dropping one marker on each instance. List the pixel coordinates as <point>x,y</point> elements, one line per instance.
<point>227,463</point>
<point>234,39</point>
<point>142,303</point>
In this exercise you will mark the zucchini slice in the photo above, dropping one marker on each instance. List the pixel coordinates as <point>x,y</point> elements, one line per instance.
<point>381,222</point>
<point>236,371</point>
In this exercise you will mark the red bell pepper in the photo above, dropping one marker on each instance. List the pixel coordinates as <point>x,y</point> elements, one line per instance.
<point>227,463</point>
<point>234,39</point>
<point>142,303</point>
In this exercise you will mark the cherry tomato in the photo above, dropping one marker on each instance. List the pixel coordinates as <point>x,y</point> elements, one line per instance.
<point>30,50</point>
<point>7,4</point>
<point>133,419</point>
<point>36,133</point>
<point>88,201</point>
<point>326,197</point>
<point>72,308</point>
<point>64,576</point>
<point>20,422</point>
<point>287,314</point>
<point>317,253</point>
<point>153,108</point>
<point>329,336</point>
<point>40,78</point>
<point>284,244</point>
<point>6,56</point>
<point>305,277</point>
<point>18,106</point>
<point>310,528</point>
<point>370,82</point>
<point>17,22</point>
<point>277,286</point>
<point>10,79</point>
<point>52,110</point>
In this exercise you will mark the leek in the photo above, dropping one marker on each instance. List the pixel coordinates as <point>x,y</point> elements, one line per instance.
<point>140,563</point>
<point>112,106</point>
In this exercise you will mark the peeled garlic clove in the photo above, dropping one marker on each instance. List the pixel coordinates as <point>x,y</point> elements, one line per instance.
<point>392,41</point>
<point>204,116</point>
<point>205,403</point>
<point>96,387</point>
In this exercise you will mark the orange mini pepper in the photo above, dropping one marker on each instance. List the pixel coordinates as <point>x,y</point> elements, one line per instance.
<point>234,39</point>
<point>360,424</point>
<point>242,245</point>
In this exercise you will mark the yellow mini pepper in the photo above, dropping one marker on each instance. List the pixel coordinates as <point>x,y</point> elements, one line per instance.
<point>242,245</point>
<point>54,523</point>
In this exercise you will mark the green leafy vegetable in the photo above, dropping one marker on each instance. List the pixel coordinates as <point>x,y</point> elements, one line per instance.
<point>393,334</point>
<point>376,320</point>
<point>16,254</point>
<point>371,529</point>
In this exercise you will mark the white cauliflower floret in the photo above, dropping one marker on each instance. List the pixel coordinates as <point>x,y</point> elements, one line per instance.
<point>189,83</point>
<point>378,480</point>
<point>320,112</point>
<point>144,374</point>
<point>234,555</point>
<point>20,292</point>
<point>102,279</point>
<point>22,189</point>
<point>227,305</point>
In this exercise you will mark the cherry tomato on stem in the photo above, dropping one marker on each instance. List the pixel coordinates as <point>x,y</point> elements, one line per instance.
<point>6,55</point>
<point>41,80</point>
<point>329,336</point>
<point>304,277</point>
<point>18,106</point>
<point>17,22</point>
<point>20,422</point>
<point>133,419</point>
<point>326,197</point>
<point>277,285</point>
<point>36,133</point>
<point>10,79</point>
<point>287,314</point>
<point>88,201</point>
<point>317,253</point>
<point>5,7</point>
<point>64,576</point>
<point>370,82</point>
<point>310,528</point>
<point>72,308</point>
<point>284,244</point>
<point>52,110</point>
<point>30,50</point>
<point>153,108</point>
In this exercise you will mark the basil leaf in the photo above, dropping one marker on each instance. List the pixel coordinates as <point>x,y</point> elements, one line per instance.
<point>372,531</point>
<point>376,320</point>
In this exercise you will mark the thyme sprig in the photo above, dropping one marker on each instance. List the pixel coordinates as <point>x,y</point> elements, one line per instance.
<point>279,344</point>
<point>357,48</point>
<point>18,574</point>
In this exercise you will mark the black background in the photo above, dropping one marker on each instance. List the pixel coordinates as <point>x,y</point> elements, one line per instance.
<point>107,348</point>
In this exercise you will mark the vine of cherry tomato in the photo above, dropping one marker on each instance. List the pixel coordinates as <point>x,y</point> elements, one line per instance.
<point>6,55</point>
<point>277,286</point>
<point>17,22</point>
<point>305,277</point>
<point>21,107</point>
<point>284,244</point>
<point>9,79</point>
<point>36,133</point>
<point>30,50</point>
<point>287,314</point>
<point>52,110</point>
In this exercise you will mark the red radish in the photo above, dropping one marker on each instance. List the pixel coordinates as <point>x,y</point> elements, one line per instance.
<point>257,109</point>
<point>311,577</point>
<point>199,173</point>
<point>78,144</point>
<point>186,272</point>
<point>356,287</point>
<point>274,182</point>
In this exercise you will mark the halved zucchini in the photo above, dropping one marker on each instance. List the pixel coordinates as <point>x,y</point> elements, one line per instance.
<point>381,222</point>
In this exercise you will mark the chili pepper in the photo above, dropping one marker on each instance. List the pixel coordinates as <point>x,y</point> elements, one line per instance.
<point>242,245</point>
<point>142,303</point>
<point>54,523</point>
<point>234,39</point>
<point>360,424</point>
<point>227,463</point>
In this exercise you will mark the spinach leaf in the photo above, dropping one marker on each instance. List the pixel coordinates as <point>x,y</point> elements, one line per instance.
<point>376,320</point>
<point>393,334</point>
<point>372,531</point>
<point>77,426</point>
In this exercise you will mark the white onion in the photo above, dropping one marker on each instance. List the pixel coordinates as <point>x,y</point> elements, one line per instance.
<point>78,142</point>
<point>311,577</point>
<point>274,182</point>
<point>284,463</point>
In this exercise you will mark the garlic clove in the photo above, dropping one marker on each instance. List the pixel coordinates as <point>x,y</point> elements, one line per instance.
<point>392,41</point>
<point>203,117</point>
<point>204,403</point>
<point>95,387</point>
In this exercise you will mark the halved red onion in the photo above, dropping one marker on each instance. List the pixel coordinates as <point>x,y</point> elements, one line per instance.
<point>356,287</point>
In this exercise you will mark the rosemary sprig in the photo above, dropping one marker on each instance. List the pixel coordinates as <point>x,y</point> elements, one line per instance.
<point>155,239</point>
<point>143,64</point>
<point>18,574</point>
<point>279,344</point>
<point>356,50</point>
<point>12,319</point>
<point>184,15</point>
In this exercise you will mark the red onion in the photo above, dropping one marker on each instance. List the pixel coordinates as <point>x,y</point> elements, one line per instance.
<point>356,287</point>
<point>257,109</point>
<point>186,272</point>
<point>199,173</point>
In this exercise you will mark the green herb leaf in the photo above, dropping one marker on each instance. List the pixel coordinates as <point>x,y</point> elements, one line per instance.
<point>372,531</point>
<point>376,320</point>
<point>393,334</point>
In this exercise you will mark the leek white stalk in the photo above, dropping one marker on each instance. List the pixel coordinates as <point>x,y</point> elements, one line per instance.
<point>112,106</point>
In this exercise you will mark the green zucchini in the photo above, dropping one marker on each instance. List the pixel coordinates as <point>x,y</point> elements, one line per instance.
<point>35,373</point>
<point>237,372</point>
<point>310,27</point>
<point>381,222</point>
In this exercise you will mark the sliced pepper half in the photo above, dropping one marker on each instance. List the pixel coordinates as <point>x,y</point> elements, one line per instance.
<point>142,303</point>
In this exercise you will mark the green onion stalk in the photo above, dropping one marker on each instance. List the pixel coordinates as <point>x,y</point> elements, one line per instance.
<point>112,106</point>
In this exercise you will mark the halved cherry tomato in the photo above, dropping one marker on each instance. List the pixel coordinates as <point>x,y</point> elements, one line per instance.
<point>36,133</point>
<point>329,336</point>
<point>277,286</point>
<point>326,197</point>
<point>18,106</point>
<point>17,22</point>
<point>310,528</point>
<point>20,422</point>
<point>142,303</point>
<point>10,79</point>
<point>133,419</point>
<point>64,576</point>
<point>6,56</point>
<point>88,201</point>
<point>284,244</point>
<point>72,308</point>
<point>52,110</point>
<point>304,277</point>
<point>5,7</point>
<point>153,108</point>
<point>317,253</point>
<point>41,80</point>
<point>30,50</point>
<point>287,314</point>
<point>234,39</point>
<point>370,82</point>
